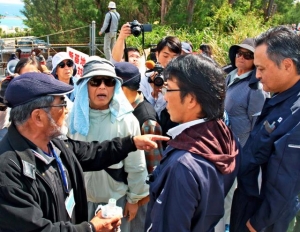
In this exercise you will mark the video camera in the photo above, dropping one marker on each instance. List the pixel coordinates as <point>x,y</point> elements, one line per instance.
<point>137,28</point>
<point>158,80</point>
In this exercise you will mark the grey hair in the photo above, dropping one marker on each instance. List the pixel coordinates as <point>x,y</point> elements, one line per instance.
<point>20,114</point>
<point>281,43</point>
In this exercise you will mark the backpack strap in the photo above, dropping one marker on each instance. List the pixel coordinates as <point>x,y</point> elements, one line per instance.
<point>108,27</point>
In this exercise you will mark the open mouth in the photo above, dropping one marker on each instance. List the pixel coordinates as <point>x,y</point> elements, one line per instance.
<point>101,96</point>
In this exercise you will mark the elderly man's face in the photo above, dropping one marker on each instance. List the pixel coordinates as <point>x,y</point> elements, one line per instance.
<point>274,79</point>
<point>57,125</point>
<point>101,90</point>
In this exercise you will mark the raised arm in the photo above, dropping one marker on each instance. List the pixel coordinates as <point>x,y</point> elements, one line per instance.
<point>118,49</point>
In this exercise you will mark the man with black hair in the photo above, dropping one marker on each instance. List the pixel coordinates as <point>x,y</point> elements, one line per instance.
<point>269,203</point>
<point>198,167</point>
<point>167,49</point>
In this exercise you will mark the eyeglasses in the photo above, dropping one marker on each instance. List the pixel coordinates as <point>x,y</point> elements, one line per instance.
<point>96,82</point>
<point>64,104</point>
<point>69,63</point>
<point>246,55</point>
<point>164,90</point>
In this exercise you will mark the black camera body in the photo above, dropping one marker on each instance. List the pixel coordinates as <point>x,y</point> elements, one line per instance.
<point>158,80</point>
<point>137,28</point>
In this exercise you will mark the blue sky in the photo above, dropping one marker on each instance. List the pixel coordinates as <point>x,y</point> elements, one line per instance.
<point>12,1</point>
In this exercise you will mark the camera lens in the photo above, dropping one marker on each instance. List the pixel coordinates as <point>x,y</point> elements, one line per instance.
<point>136,31</point>
<point>158,81</point>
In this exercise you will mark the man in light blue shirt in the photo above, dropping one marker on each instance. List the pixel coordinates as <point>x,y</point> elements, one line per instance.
<point>110,28</point>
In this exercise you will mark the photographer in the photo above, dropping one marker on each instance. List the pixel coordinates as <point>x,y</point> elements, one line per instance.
<point>167,49</point>
<point>129,54</point>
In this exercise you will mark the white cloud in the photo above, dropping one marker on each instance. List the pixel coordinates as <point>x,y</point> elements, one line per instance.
<point>12,2</point>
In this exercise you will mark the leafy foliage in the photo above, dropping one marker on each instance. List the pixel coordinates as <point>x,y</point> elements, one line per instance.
<point>216,22</point>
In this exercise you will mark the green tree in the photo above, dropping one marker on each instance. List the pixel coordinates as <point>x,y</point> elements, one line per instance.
<point>291,16</point>
<point>217,22</point>
<point>52,17</point>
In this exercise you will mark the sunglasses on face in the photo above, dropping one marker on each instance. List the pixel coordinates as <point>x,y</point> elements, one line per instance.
<point>96,82</point>
<point>69,63</point>
<point>246,55</point>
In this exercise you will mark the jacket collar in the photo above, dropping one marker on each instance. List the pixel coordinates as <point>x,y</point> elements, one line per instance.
<point>26,151</point>
<point>253,82</point>
<point>279,97</point>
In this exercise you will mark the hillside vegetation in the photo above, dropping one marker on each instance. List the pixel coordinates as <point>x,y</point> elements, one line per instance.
<point>219,23</point>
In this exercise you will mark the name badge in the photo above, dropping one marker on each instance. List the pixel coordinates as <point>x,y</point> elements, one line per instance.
<point>70,203</point>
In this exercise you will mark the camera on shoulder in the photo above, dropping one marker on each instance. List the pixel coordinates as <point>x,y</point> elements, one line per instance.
<point>137,28</point>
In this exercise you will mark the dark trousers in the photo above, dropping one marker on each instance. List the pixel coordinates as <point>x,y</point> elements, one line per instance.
<point>244,207</point>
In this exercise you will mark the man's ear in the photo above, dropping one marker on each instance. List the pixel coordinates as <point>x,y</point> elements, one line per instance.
<point>38,117</point>
<point>288,64</point>
<point>192,100</point>
<point>194,105</point>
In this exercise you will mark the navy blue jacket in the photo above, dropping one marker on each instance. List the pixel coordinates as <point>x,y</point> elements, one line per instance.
<point>182,206</point>
<point>187,190</point>
<point>273,146</point>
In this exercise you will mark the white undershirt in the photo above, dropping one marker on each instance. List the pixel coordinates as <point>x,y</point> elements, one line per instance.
<point>173,132</point>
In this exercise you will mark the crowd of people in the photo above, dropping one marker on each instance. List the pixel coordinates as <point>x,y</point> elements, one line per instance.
<point>180,143</point>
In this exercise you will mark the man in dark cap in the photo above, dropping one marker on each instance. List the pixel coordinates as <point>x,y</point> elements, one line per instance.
<point>147,118</point>
<point>41,177</point>
<point>198,167</point>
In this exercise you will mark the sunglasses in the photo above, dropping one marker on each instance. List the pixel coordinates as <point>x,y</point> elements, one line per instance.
<point>96,82</point>
<point>69,63</point>
<point>246,55</point>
